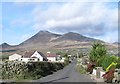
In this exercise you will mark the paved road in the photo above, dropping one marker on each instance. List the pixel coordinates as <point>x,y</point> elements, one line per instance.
<point>68,74</point>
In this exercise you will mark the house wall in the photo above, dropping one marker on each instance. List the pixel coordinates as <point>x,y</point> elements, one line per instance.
<point>37,55</point>
<point>14,57</point>
<point>52,59</point>
<point>24,59</point>
<point>63,59</point>
<point>101,73</point>
<point>29,59</point>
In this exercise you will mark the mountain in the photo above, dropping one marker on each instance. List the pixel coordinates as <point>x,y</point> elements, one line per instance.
<point>41,37</point>
<point>5,45</point>
<point>118,43</point>
<point>44,40</point>
<point>71,36</point>
<point>48,40</point>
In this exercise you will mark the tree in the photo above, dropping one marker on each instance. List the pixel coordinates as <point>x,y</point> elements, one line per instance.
<point>97,53</point>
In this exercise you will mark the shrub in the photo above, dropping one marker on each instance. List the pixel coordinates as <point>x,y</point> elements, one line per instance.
<point>118,63</point>
<point>108,60</point>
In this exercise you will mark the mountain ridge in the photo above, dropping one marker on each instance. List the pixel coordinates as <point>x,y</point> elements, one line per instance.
<point>44,37</point>
<point>44,40</point>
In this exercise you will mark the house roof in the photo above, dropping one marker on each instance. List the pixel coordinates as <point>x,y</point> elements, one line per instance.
<point>42,55</point>
<point>51,55</point>
<point>15,54</point>
<point>30,53</point>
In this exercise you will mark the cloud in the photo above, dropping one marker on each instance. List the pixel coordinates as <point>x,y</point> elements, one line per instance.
<point>109,37</point>
<point>92,19</point>
<point>59,0</point>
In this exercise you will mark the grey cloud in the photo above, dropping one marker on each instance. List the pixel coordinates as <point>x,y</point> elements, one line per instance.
<point>87,29</point>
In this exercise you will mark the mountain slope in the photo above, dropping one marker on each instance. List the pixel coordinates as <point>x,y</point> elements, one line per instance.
<point>118,43</point>
<point>75,37</point>
<point>5,45</point>
<point>48,40</point>
<point>44,40</point>
<point>41,37</point>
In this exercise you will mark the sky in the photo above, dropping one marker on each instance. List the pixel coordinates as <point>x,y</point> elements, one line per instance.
<point>19,19</point>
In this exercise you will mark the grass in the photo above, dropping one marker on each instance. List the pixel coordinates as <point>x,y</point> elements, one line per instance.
<point>81,69</point>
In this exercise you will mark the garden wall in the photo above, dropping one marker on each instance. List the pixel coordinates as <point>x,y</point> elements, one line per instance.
<point>30,70</point>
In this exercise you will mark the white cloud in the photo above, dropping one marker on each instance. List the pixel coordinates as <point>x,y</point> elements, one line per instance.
<point>92,19</point>
<point>59,0</point>
<point>109,37</point>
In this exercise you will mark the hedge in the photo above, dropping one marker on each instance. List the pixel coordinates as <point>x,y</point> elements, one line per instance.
<point>108,60</point>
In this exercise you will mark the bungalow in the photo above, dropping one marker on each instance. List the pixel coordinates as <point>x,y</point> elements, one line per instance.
<point>51,57</point>
<point>15,57</point>
<point>55,58</point>
<point>34,56</point>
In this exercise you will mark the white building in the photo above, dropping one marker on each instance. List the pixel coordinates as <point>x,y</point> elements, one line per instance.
<point>15,57</point>
<point>33,56</point>
<point>62,60</point>
<point>54,58</point>
<point>51,57</point>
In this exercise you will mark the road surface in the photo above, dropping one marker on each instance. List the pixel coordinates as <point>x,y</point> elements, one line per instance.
<point>68,74</point>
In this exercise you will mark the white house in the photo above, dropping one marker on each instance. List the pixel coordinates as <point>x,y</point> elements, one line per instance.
<point>63,59</point>
<point>54,58</point>
<point>34,56</point>
<point>15,57</point>
<point>51,57</point>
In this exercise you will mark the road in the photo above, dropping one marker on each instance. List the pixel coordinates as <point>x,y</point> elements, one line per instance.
<point>68,74</point>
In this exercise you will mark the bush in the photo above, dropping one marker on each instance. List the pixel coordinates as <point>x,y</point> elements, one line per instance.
<point>108,60</point>
<point>118,63</point>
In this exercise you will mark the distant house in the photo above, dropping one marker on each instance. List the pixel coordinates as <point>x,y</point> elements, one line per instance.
<point>60,58</point>
<point>15,57</point>
<point>51,57</point>
<point>34,56</point>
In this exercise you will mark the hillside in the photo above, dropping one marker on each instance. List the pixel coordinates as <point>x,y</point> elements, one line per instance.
<point>45,40</point>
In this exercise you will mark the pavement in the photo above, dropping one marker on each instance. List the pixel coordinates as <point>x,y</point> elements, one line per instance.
<point>68,74</point>
<point>95,79</point>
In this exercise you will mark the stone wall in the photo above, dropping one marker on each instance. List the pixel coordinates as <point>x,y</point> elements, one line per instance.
<point>30,70</point>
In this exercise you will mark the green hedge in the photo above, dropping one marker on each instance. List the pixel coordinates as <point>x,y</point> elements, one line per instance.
<point>30,70</point>
<point>108,60</point>
<point>118,63</point>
